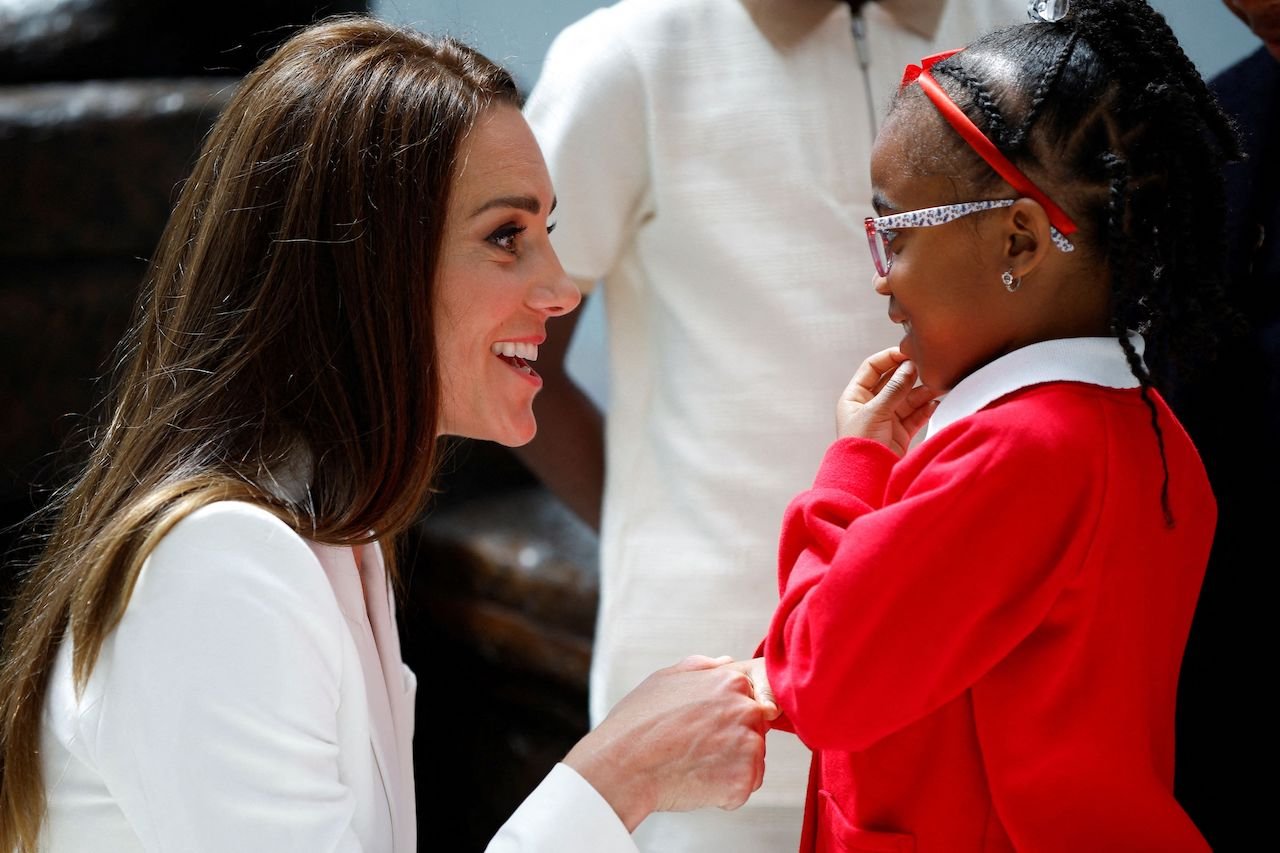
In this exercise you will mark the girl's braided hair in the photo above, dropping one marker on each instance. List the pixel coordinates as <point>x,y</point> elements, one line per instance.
<point>1106,110</point>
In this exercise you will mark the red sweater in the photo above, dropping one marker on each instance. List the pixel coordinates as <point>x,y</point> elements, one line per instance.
<point>981,640</point>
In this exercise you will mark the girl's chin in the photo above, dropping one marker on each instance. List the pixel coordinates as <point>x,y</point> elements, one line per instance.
<point>904,347</point>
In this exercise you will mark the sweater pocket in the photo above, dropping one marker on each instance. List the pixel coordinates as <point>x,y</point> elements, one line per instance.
<point>836,834</point>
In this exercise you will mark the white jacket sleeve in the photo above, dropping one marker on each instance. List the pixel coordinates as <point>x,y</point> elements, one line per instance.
<point>219,691</point>
<point>563,815</point>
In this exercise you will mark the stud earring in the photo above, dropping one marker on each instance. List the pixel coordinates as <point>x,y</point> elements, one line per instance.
<point>1011,282</point>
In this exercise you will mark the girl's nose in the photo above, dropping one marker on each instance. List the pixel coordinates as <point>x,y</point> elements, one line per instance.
<point>881,283</point>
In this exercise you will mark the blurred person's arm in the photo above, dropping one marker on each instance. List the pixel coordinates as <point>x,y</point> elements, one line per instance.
<point>589,111</point>
<point>568,451</point>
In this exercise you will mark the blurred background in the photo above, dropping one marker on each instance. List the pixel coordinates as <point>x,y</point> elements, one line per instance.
<point>103,104</point>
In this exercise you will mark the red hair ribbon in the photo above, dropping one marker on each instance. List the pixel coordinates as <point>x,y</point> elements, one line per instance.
<point>979,142</point>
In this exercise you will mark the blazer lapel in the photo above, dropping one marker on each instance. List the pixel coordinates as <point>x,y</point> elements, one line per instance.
<point>383,686</point>
<point>400,699</point>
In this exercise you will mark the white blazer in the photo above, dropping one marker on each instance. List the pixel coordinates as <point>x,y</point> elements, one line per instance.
<point>252,698</point>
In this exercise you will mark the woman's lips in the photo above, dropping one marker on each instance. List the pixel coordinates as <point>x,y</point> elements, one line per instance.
<point>517,355</point>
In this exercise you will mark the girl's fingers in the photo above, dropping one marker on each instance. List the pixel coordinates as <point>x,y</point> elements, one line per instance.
<point>915,420</point>
<point>872,375</point>
<point>898,384</point>
<point>919,397</point>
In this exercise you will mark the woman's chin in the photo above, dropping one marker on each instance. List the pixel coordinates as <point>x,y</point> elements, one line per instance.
<point>517,434</point>
<point>512,435</point>
<point>514,443</point>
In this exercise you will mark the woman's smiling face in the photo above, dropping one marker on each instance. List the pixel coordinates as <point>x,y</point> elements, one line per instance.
<point>499,281</point>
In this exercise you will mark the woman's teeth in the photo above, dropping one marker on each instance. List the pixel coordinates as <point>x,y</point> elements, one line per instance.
<point>511,349</point>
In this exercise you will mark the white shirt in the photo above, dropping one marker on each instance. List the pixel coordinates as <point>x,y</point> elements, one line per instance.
<point>716,181</point>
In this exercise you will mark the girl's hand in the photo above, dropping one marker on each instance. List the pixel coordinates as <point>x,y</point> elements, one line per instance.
<point>883,403</point>
<point>754,669</point>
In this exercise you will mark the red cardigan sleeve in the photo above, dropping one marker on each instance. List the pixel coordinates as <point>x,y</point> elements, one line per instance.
<point>902,584</point>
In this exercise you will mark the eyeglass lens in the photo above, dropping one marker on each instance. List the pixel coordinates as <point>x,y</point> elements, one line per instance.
<point>879,251</point>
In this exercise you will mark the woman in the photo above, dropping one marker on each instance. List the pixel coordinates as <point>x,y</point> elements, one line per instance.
<point>205,656</point>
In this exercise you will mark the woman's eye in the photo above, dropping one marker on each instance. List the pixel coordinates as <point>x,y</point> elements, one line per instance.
<point>551,227</point>
<point>506,237</point>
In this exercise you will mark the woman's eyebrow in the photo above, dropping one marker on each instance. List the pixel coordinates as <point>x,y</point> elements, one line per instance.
<point>519,202</point>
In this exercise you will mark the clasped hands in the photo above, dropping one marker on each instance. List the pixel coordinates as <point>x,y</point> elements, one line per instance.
<point>690,735</point>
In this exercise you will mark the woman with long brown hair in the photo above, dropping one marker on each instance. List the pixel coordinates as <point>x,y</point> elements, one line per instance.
<point>205,655</point>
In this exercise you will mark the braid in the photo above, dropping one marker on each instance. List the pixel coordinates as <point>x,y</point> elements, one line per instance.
<point>1105,107</point>
<point>1126,31</point>
<point>1176,140</point>
<point>996,129</point>
<point>1121,256</point>
<point>1133,265</point>
<point>1144,388</point>
<point>1019,138</point>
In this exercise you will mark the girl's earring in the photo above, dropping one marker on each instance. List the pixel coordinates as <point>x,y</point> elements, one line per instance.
<point>1011,282</point>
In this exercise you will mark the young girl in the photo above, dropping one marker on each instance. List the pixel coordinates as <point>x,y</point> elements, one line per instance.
<point>980,638</point>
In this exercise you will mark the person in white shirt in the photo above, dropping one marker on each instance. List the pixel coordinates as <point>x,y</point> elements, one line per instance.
<point>711,160</point>
<point>205,656</point>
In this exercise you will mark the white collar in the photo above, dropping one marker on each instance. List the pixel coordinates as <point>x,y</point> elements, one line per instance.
<point>1097,361</point>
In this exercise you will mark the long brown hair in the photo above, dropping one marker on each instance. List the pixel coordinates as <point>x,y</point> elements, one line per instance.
<point>285,325</point>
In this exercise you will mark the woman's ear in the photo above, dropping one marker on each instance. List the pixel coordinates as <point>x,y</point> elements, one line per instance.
<point>1026,236</point>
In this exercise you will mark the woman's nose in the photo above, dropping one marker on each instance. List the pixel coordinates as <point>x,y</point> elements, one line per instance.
<point>554,291</point>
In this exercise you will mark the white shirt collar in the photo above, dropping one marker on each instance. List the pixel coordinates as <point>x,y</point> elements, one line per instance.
<point>1097,361</point>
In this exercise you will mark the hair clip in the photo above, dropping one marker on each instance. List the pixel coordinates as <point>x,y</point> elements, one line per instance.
<point>1049,11</point>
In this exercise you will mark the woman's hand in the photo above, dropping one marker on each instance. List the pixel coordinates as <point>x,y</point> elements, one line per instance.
<point>688,736</point>
<point>883,403</point>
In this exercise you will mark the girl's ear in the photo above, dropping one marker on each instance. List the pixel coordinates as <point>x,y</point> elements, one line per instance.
<point>1026,236</point>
